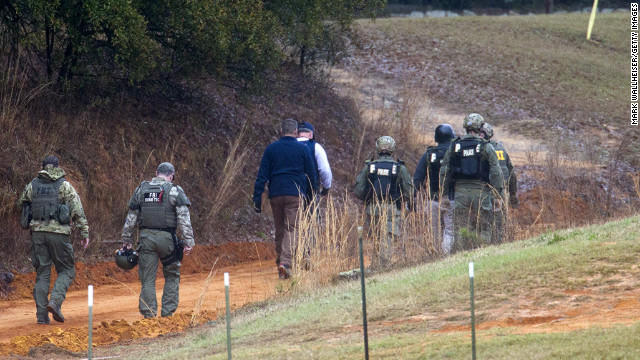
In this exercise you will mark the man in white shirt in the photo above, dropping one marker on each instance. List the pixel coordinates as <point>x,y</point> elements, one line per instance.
<point>305,135</point>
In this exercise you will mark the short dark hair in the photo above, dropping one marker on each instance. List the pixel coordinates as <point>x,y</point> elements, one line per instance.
<point>289,126</point>
<point>50,160</point>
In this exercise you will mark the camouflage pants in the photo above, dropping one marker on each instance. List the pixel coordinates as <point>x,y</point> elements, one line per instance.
<point>154,245</point>
<point>47,248</point>
<point>383,223</point>
<point>473,218</point>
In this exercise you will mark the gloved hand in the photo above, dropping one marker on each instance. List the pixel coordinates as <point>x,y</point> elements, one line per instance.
<point>514,202</point>
<point>497,204</point>
<point>324,191</point>
<point>257,207</point>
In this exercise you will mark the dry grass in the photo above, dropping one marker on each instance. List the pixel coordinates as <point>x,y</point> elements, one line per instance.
<point>195,316</point>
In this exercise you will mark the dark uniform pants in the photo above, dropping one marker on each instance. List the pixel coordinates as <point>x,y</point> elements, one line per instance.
<point>46,248</point>
<point>473,217</point>
<point>154,245</point>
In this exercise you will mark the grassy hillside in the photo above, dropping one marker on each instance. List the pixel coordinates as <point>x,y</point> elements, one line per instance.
<point>568,294</point>
<point>109,144</point>
<point>537,74</point>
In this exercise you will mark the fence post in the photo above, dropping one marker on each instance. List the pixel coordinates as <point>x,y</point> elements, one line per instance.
<point>364,297</point>
<point>473,316</point>
<point>226,295</point>
<point>90,301</point>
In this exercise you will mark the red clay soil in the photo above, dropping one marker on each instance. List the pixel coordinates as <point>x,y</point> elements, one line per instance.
<point>115,312</point>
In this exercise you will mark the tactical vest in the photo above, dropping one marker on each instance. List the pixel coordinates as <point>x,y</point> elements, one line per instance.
<point>466,160</point>
<point>502,155</point>
<point>156,212</point>
<point>383,182</point>
<point>434,156</point>
<point>312,146</point>
<point>45,204</point>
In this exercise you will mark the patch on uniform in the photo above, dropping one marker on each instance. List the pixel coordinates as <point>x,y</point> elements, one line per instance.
<point>457,148</point>
<point>433,157</point>
<point>153,197</point>
<point>394,170</point>
<point>468,152</point>
<point>500,154</point>
<point>372,168</point>
<point>383,172</point>
<point>478,148</point>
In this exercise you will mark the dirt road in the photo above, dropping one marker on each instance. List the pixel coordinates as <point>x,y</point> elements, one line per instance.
<point>115,311</point>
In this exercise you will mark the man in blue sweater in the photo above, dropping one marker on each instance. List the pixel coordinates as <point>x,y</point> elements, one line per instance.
<point>288,167</point>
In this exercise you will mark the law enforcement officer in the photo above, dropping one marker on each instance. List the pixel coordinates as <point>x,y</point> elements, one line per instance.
<point>471,166</point>
<point>384,184</point>
<point>49,206</point>
<point>288,167</point>
<point>159,208</point>
<point>428,173</point>
<point>509,178</point>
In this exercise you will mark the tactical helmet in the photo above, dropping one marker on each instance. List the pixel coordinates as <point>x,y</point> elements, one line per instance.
<point>487,130</point>
<point>444,132</point>
<point>473,122</point>
<point>385,144</point>
<point>165,168</point>
<point>126,259</point>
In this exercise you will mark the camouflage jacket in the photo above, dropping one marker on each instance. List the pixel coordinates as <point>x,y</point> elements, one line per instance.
<point>361,188</point>
<point>488,154</point>
<point>67,195</point>
<point>176,196</point>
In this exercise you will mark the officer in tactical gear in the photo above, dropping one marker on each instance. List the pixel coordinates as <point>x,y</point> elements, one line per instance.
<point>49,206</point>
<point>384,184</point>
<point>510,182</point>
<point>159,208</point>
<point>471,166</point>
<point>428,172</point>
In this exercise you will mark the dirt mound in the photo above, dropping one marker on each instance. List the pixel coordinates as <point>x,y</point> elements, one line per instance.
<point>200,260</point>
<point>73,340</point>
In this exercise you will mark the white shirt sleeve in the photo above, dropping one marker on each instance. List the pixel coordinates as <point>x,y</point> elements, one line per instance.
<point>324,170</point>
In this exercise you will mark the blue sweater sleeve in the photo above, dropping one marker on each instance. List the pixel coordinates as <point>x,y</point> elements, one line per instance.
<point>262,178</point>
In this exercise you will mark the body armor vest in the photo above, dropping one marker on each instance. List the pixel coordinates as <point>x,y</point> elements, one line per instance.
<point>467,162</point>
<point>44,200</point>
<point>156,212</point>
<point>435,155</point>
<point>383,179</point>
<point>312,146</point>
<point>502,160</point>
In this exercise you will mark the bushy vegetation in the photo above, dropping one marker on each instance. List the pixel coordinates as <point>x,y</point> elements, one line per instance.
<point>132,41</point>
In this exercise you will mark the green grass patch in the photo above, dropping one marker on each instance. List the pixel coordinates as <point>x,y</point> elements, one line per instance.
<point>406,306</point>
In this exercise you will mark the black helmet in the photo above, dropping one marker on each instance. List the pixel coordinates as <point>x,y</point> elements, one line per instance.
<point>444,132</point>
<point>126,259</point>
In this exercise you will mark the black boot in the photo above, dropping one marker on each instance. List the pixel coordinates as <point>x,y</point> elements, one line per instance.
<point>54,309</point>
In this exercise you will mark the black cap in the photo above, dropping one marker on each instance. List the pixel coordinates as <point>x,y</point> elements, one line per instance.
<point>50,160</point>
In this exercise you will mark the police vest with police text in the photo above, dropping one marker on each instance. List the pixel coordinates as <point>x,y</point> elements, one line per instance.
<point>383,181</point>
<point>467,160</point>
<point>435,155</point>
<point>156,212</point>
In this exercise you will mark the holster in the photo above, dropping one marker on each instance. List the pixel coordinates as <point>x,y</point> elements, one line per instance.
<point>178,251</point>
